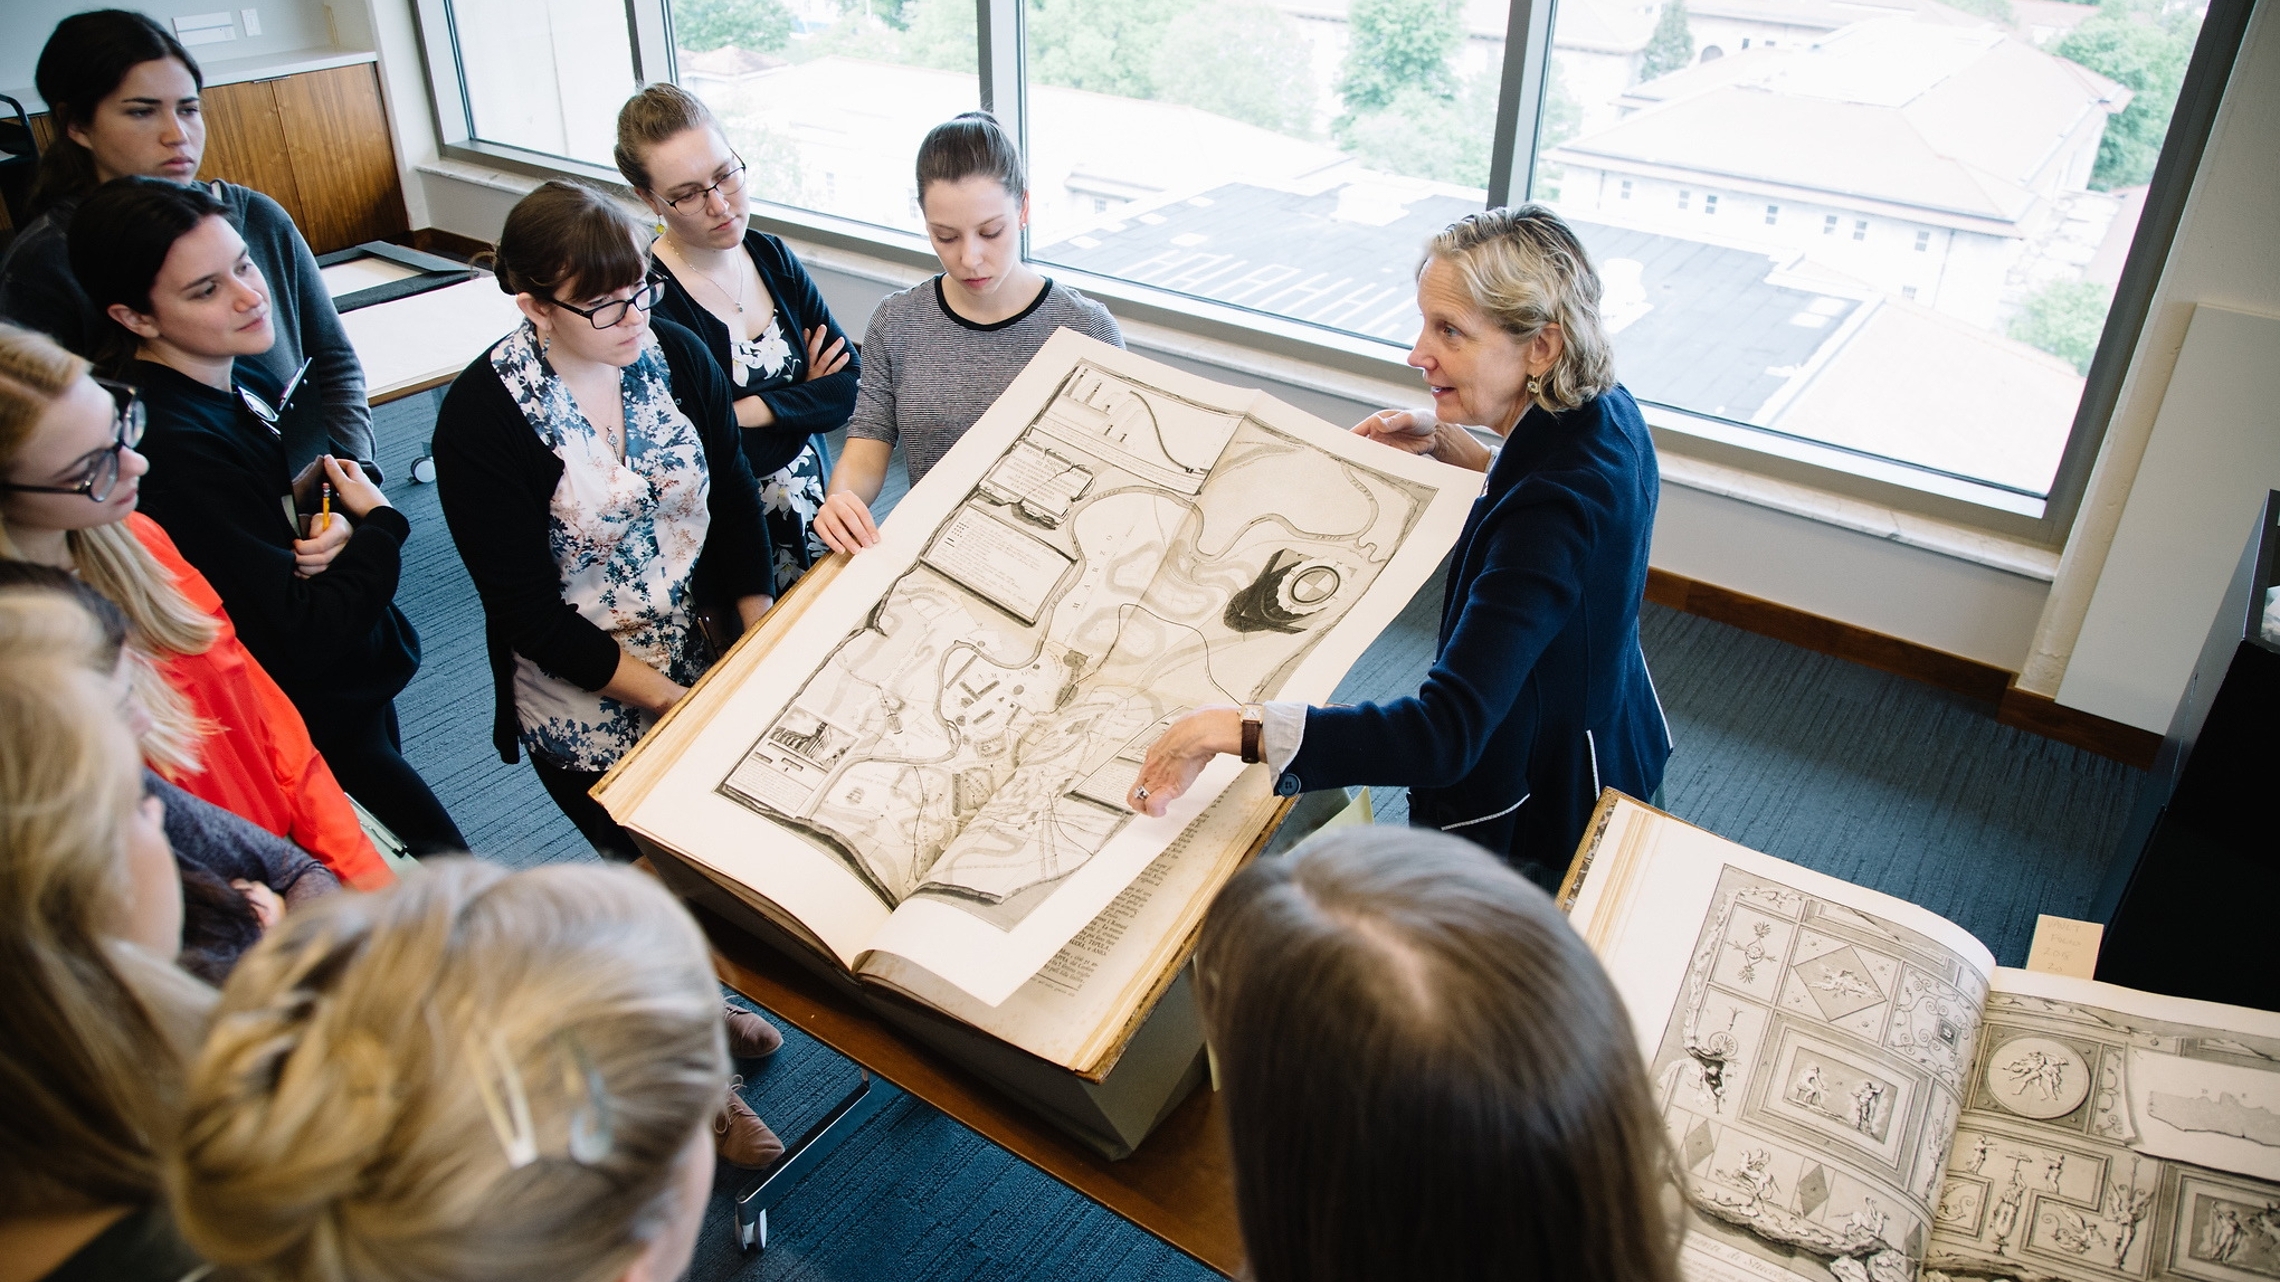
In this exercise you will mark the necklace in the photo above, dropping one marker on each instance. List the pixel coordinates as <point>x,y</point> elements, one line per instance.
<point>735,300</point>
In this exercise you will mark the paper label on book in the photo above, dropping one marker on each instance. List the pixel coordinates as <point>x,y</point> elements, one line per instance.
<point>2064,946</point>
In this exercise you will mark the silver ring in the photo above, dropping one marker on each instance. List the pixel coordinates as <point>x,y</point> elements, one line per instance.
<point>1141,793</point>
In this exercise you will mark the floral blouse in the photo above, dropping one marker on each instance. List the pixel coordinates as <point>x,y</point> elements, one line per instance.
<point>625,534</point>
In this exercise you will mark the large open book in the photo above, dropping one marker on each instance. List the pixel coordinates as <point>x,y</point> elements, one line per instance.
<point>1854,1090</point>
<point>917,766</point>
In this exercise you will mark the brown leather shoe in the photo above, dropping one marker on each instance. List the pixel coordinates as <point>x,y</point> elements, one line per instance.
<point>749,1036</point>
<point>740,1137</point>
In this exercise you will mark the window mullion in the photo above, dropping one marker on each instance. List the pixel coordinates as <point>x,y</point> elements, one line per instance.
<point>998,24</point>
<point>652,29</point>
<point>1520,101</point>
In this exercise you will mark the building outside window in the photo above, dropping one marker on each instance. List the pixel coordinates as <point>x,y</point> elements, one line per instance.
<point>1288,158</point>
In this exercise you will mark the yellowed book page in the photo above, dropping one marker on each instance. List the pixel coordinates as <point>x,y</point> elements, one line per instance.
<point>1807,1042</point>
<point>2113,1134</point>
<point>1076,1010</point>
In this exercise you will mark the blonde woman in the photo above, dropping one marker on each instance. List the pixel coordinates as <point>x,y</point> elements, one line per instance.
<point>96,1024</point>
<point>476,1074</point>
<point>1539,695</point>
<point>70,478</point>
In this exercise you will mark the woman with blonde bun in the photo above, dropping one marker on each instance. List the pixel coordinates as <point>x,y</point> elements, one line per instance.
<point>96,1024</point>
<point>474,1074</point>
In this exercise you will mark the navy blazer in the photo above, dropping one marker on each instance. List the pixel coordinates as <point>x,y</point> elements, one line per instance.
<point>1539,694</point>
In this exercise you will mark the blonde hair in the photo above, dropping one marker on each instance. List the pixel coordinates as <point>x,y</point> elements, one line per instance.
<point>34,373</point>
<point>1525,269</point>
<point>472,1074</point>
<point>94,1031</point>
<point>657,113</point>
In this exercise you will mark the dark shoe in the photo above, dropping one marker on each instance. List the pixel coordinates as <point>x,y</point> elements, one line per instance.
<point>740,1137</point>
<point>749,1036</point>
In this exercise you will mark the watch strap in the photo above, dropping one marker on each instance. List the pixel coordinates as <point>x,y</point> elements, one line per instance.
<point>1254,723</point>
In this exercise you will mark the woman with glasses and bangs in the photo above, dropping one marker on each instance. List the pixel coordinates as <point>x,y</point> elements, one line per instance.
<point>739,290</point>
<point>593,478</point>
<point>311,592</point>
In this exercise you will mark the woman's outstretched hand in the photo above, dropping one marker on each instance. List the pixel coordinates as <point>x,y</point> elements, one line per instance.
<point>1181,753</point>
<point>1410,431</point>
<point>844,523</point>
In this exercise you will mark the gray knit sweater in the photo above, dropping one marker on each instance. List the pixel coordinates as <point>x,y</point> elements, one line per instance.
<point>929,373</point>
<point>38,291</point>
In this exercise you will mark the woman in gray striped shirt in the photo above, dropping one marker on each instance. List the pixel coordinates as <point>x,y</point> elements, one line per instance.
<point>936,355</point>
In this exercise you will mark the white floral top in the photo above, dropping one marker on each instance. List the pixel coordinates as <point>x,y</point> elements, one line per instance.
<point>625,535</point>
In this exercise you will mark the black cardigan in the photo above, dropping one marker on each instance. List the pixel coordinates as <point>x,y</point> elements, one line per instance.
<point>496,479</point>
<point>802,409</point>
<point>335,642</point>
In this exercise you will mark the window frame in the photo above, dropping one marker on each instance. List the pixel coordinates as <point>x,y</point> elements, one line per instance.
<point>1000,57</point>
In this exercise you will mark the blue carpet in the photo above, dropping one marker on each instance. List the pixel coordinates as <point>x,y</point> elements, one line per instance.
<point>1867,777</point>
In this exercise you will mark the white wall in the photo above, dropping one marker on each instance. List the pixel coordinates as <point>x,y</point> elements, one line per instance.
<point>2103,609</point>
<point>286,25</point>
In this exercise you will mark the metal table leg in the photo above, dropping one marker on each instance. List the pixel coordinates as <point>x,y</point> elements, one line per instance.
<point>801,1155</point>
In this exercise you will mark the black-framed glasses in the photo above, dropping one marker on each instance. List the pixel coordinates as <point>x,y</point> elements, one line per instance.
<point>100,470</point>
<point>615,311</point>
<point>729,184</point>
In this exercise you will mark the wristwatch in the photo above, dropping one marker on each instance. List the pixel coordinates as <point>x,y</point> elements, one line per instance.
<point>1254,721</point>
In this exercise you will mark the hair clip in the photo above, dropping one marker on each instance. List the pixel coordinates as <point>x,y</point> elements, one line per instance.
<point>593,1130</point>
<point>510,1118</point>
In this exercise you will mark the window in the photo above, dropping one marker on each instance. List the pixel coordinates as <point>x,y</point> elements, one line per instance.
<point>1288,159</point>
<point>546,75</point>
<point>828,104</point>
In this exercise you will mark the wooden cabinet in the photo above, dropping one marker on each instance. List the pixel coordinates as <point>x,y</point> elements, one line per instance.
<point>317,143</point>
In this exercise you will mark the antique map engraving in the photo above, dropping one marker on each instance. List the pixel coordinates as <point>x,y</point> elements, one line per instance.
<point>1134,554</point>
<point>1810,1075</point>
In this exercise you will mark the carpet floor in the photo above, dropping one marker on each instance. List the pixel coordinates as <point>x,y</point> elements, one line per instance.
<point>1865,776</point>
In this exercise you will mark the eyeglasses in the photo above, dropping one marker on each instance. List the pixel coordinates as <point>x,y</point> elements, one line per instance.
<point>101,468</point>
<point>615,311</point>
<point>730,183</point>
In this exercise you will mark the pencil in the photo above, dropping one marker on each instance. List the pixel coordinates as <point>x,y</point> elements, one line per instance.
<point>324,521</point>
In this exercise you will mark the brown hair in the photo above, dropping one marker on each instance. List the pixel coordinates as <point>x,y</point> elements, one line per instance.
<point>1426,1073</point>
<point>566,234</point>
<point>658,112</point>
<point>473,1074</point>
<point>95,1030</point>
<point>970,143</point>
<point>34,374</point>
<point>84,61</point>
<point>1526,269</point>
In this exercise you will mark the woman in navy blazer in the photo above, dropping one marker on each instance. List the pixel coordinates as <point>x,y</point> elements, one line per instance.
<point>1539,695</point>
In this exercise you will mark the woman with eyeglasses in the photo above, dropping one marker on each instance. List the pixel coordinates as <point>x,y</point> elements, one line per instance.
<point>593,478</point>
<point>70,477</point>
<point>315,605</point>
<point>744,295</point>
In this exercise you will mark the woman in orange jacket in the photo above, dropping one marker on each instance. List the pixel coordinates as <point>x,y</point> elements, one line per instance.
<point>69,477</point>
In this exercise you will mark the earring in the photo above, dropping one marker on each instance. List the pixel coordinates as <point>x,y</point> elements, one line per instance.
<point>546,344</point>
<point>1536,385</point>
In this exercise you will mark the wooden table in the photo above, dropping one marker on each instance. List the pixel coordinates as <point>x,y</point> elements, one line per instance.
<point>1179,1184</point>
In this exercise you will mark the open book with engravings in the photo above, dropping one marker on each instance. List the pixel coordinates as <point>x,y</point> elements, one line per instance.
<point>917,766</point>
<point>1854,1090</point>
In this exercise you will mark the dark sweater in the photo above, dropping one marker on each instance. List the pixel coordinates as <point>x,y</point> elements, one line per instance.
<point>38,290</point>
<point>140,1246</point>
<point>336,642</point>
<point>496,478</point>
<point>212,848</point>
<point>802,409</point>
<point>1539,693</point>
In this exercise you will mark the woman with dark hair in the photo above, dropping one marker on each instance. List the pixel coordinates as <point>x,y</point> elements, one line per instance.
<point>124,95</point>
<point>1539,694</point>
<point>937,355</point>
<point>741,292</point>
<point>318,610</point>
<point>1426,1074</point>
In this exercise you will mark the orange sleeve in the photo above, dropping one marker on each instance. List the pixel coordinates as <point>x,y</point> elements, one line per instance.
<point>260,761</point>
